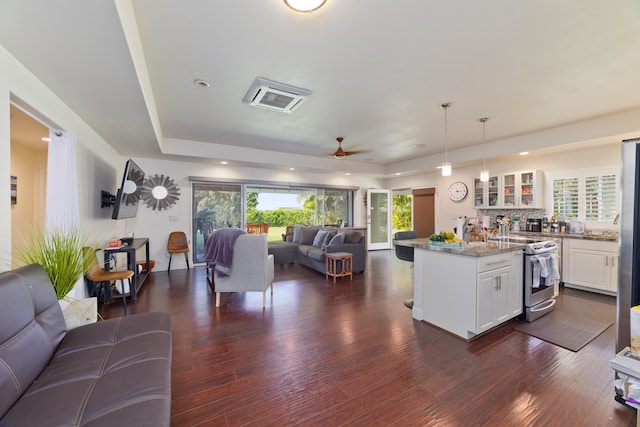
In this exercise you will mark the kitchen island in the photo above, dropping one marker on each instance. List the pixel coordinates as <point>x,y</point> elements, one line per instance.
<point>469,289</point>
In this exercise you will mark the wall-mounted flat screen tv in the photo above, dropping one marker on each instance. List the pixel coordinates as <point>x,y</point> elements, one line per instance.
<point>128,197</point>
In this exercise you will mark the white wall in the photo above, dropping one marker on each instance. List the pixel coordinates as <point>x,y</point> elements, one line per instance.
<point>447,211</point>
<point>98,164</point>
<point>156,225</point>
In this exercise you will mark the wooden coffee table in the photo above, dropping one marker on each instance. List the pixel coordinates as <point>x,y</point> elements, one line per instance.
<point>339,264</point>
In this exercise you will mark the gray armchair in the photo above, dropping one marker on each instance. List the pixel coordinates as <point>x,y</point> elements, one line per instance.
<point>252,268</point>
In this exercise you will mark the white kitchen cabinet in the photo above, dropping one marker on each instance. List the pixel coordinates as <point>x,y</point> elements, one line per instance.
<point>486,194</point>
<point>492,298</point>
<point>522,189</point>
<point>591,265</point>
<point>467,295</point>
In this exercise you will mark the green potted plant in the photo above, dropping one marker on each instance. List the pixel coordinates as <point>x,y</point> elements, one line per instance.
<point>60,252</point>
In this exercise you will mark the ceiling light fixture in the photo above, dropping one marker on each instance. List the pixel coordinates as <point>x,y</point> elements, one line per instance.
<point>524,153</point>
<point>446,166</point>
<point>305,5</point>
<point>484,173</point>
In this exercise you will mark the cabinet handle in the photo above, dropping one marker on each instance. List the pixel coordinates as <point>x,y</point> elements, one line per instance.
<point>606,261</point>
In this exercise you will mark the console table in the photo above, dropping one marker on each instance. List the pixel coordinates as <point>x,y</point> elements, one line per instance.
<point>138,277</point>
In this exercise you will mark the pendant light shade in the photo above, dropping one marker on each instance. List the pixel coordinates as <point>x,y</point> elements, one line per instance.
<point>446,166</point>
<point>305,5</point>
<point>484,173</point>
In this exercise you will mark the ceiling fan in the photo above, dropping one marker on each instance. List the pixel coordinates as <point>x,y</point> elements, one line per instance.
<point>340,153</point>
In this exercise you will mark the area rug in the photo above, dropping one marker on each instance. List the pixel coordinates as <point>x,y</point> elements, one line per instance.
<point>575,321</point>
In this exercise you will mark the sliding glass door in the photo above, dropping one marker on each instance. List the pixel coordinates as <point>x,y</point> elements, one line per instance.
<point>222,205</point>
<point>214,206</point>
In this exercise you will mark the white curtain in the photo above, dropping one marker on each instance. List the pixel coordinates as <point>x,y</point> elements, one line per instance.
<point>62,190</point>
<point>62,181</point>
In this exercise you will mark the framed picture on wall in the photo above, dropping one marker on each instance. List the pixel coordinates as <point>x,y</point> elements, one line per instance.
<point>14,189</point>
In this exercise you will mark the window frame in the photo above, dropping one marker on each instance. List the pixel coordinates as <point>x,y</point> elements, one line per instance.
<point>581,175</point>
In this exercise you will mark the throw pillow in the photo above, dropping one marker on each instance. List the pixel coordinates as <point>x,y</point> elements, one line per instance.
<point>338,239</point>
<point>319,239</point>
<point>308,234</point>
<point>297,233</point>
<point>352,236</point>
<point>327,239</point>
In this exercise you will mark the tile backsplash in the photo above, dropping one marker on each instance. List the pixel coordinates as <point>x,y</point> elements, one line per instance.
<point>523,214</point>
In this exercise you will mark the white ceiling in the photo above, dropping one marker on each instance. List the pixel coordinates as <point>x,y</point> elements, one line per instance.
<point>378,70</point>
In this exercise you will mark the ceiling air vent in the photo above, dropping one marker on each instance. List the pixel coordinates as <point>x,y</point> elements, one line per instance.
<point>275,96</point>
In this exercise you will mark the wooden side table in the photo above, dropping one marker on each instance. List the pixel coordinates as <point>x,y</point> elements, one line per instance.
<point>339,264</point>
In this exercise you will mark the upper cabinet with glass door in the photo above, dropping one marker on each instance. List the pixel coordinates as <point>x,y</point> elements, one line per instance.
<point>486,194</point>
<point>522,189</point>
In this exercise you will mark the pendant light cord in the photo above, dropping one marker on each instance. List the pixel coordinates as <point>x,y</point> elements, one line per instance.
<point>484,148</point>
<point>446,131</point>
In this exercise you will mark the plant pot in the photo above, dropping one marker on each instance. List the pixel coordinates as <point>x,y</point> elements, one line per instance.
<point>78,312</point>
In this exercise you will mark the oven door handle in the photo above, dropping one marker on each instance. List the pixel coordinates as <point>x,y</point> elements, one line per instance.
<point>543,306</point>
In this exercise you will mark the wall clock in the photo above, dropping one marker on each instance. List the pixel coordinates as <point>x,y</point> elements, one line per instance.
<point>160,192</point>
<point>458,191</point>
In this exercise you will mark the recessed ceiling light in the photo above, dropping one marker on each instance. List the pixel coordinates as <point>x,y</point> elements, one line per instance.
<point>397,173</point>
<point>524,153</point>
<point>201,83</point>
<point>348,173</point>
<point>292,169</point>
<point>224,162</point>
<point>305,5</point>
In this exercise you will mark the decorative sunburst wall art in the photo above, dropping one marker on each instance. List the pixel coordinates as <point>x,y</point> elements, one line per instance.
<point>160,192</point>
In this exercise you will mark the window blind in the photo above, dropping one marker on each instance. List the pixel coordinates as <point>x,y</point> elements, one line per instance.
<point>566,197</point>
<point>600,198</point>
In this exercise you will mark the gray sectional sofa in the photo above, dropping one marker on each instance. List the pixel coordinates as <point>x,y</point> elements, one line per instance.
<point>113,372</point>
<point>309,246</point>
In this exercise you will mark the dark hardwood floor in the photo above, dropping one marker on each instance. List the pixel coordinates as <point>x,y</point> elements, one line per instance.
<point>350,354</point>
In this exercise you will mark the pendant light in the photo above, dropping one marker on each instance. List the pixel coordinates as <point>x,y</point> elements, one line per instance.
<point>446,166</point>
<point>305,5</point>
<point>484,173</point>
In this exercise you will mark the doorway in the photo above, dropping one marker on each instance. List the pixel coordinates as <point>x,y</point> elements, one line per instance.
<point>379,219</point>
<point>28,165</point>
<point>424,223</point>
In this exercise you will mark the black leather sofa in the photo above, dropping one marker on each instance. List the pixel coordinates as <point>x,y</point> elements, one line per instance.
<point>110,373</point>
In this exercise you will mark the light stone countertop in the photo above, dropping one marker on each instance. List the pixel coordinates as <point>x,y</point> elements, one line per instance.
<point>476,249</point>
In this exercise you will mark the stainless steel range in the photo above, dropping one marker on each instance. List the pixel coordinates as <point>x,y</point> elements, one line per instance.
<point>541,272</point>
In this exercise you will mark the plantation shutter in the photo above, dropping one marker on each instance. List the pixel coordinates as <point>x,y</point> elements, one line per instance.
<point>565,197</point>
<point>600,195</point>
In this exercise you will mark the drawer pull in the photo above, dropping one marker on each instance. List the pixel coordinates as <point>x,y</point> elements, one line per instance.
<point>497,262</point>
